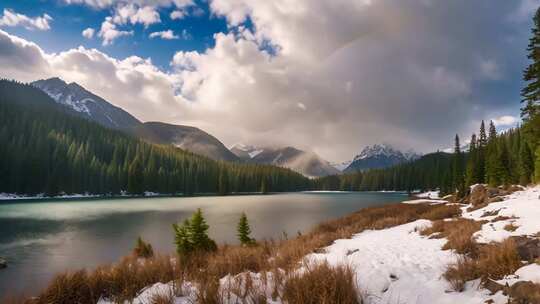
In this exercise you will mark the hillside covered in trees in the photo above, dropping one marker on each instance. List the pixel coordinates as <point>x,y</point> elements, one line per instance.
<point>45,150</point>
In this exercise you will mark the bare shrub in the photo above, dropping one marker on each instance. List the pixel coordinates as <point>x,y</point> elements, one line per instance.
<point>321,283</point>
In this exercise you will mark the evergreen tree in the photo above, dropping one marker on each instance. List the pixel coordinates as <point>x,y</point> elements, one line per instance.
<point>143,249</point>
<point>458,184</point>
<point>182,238</point>
<point>472,163</point>
<point>531,75</point>
<point>526,164</point>
<point>492,132</point>
<point>198,233</point>
<point>135,177</point>
<point>244,231</point>
<point>481,155</point>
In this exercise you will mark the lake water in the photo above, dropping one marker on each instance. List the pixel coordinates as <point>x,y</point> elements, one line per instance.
<point>40,239</point>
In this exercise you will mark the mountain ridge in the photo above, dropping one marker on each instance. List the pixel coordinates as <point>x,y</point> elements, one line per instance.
<point>379,156</point>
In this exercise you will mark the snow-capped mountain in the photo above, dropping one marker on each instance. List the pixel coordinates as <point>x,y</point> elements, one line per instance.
<point>80,102</point>
<point>86,104</point>
<point>307,163</point>
<point>342,165</point>
<point>379,156</point>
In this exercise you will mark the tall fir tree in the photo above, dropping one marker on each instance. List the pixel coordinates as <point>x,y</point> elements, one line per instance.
<point>481,155</point>
<point>244,231</point>
<point>531,75</point>
<point>459,183</point>
<point>472,163</point>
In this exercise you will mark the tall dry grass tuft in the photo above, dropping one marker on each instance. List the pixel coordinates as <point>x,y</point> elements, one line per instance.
<point>322,284</point>
<point>120,282</point>
<point>458,232</point>
<point>493,261</point>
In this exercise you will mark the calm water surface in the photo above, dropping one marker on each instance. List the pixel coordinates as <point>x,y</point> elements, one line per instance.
<point>40,239</point>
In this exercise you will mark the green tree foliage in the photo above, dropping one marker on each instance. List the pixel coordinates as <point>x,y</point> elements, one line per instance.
<point>471,169</point>
<point>46,150</point>
<point>526,164</point>
<point>192,235</point>
<point>457,166</point>
<point>537,166</point>
<point>244,231</point>
<point>182,238</point>
<point>530,112</point>
<point>143,249</point>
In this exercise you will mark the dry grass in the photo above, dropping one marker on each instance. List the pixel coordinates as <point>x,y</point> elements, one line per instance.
<point>511,227</point>
<point>122,281</point>
<point>162,298</point>
<point>322,284</point>
<point>493,261</point>
<point>458,232</point>
<point>524,293</point>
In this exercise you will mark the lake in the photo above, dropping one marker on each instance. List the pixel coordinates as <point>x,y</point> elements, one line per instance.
<point>40,239</point>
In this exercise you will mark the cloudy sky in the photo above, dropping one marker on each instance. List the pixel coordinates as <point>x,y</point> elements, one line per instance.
<point>328,76</point>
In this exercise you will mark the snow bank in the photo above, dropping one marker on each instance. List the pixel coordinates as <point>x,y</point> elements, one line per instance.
<point>429,194</point>
<point>424,201</point>
<point>523,210</point>
<point>397,265</point>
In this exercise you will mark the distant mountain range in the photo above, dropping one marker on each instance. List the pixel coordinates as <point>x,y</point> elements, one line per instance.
<point>379,156</point>
<point>80,102</point>
<point>307,163</point>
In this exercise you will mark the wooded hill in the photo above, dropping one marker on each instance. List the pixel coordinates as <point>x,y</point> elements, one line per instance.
<point>45,150</point>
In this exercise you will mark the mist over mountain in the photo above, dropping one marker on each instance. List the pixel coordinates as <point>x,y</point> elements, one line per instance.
<point>307,163</point>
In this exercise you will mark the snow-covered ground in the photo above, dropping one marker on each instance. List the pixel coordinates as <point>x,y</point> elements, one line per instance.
<point>429,194</point>
<point>523,210</point>
<point>398,265</point>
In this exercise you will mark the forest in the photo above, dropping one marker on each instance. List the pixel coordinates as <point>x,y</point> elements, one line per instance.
<point>45,150</point>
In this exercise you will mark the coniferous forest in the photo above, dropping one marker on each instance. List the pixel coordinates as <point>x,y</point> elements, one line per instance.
<point>45,150</point>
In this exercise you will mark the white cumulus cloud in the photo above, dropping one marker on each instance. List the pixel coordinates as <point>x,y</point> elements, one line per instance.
<point>109,31</point>
<point>88,33</point>
<point>10,18</point>
<point>168,35</point>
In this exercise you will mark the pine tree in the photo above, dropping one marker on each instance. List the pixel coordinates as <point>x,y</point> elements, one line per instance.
<point>244,231</point>
<point>198,233</point>
<point>472,163</point>
<point>143,249</point>
<point>182,239</point>
<point>458,182</point>
<point>481,155</point>
<point>492,132</point>
<point>531,75</point>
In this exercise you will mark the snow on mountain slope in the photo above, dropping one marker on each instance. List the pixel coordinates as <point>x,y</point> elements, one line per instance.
<point>379,156</point>
<point>86,104</point>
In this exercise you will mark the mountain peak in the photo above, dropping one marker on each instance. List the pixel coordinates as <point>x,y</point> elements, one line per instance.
<point>86,104</point>
<point>380,156</point>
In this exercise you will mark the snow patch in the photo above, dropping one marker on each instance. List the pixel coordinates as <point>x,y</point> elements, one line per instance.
<point>523,209</point>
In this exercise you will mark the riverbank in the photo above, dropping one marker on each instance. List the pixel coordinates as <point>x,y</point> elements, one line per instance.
<point>430,252</point>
